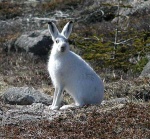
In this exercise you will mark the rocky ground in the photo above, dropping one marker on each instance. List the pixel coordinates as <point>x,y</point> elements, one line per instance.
<point>25,87</point>
<point>110,120</point>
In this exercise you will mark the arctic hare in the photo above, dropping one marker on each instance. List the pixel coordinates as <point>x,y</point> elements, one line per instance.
<point>70,73</point>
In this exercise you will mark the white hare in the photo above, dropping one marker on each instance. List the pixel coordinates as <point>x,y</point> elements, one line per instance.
<point>70,73</point>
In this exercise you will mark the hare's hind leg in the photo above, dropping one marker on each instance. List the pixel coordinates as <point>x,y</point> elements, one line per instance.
<point>58,95</point>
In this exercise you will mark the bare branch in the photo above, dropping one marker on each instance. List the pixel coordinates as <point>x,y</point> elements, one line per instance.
<point>123,42</point>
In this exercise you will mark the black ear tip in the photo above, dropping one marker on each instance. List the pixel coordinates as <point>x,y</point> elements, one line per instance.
<point>71,22</point>
<point>49,23</point>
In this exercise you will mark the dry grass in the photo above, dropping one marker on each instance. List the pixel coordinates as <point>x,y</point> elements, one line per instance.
<point>20,69</point>
<point>9,10</point>
<point>60,4</point>
<point>135,89</point>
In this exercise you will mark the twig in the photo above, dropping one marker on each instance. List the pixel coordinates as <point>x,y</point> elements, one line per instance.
<point>123,42</point>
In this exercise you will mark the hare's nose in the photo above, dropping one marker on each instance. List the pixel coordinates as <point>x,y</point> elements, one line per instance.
<point>62,48</point>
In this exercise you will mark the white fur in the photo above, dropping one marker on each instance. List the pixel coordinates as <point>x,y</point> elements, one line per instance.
<point>70,73</point>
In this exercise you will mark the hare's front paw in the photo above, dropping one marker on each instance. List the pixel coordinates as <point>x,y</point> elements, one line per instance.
<point>53,107</point>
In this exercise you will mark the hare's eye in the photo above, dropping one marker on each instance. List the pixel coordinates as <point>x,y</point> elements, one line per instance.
<point>57,41</point>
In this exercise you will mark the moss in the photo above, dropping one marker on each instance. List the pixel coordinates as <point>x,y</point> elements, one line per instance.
<point>139,66</point>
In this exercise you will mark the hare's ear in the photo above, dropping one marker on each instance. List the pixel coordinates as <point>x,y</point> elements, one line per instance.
<point>53,30</point>
<point>67,29</point>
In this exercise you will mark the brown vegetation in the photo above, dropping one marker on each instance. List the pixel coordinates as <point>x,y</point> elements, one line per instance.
<point>9,10</point>
<point>129,121</point>
<point>60,4</point>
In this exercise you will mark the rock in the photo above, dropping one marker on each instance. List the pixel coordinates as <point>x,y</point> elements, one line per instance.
<point>97,14</point>
<point>25,96</point>
<point>37,42</point>
<point>137,7</point>
<point>13,115</point>
<point>34,112</point>
<point>146,70</point>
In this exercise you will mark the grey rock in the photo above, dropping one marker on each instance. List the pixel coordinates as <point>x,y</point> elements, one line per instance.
<point>97,14</point>
<point>148,56</point>
<point>138,7</point>
<point>25,96</point>
<point>37,42</point>
<point>146,70</point>
<point>34,112</point>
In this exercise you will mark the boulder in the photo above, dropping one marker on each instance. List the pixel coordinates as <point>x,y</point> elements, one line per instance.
<point>135,8</point>
<point>97,14</point>
<point>146,70</point>
<point>37,42</point>
<point>30,113</point>
<point>25,96</point>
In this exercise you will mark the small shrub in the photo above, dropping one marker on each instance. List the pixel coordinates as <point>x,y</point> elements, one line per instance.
<point>9,10</point>
<point>139,66</point>
<point>60,4</point>
<point>97,50</point>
